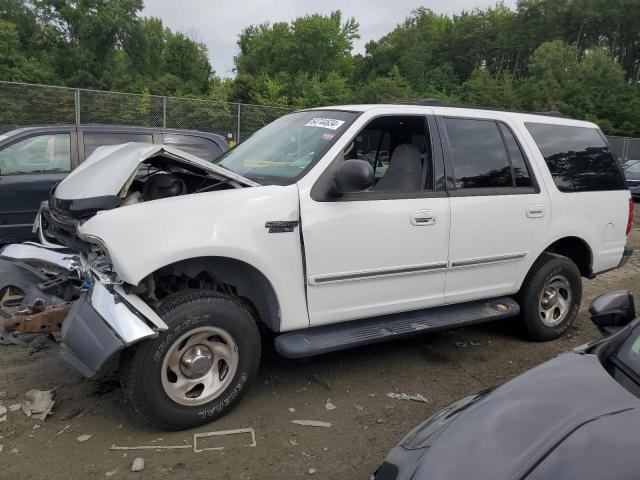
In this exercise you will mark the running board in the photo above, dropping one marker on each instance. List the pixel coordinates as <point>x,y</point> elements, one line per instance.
<point>339,336</point>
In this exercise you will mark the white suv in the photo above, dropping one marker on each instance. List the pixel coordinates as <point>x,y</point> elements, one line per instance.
<point>332,227</point>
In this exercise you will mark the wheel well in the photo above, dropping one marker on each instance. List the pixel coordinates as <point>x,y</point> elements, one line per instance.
<point>226,275</point>
<point>577,250</point>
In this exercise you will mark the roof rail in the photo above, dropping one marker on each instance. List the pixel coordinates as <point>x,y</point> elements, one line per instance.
<point>434,102</point>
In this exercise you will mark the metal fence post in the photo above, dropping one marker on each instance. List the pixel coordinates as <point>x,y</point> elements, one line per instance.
<point>238,132</point>
<point>77,105</point>
<point>164,112</point>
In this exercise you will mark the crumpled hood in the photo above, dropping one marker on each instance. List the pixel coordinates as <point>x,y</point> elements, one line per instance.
<point>506,434</point>
<point>109,168</point>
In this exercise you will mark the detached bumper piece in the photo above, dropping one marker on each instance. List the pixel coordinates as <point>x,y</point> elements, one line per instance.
<point>99,325</point>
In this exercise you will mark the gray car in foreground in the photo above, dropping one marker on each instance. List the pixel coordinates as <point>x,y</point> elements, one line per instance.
<point>574,417</point>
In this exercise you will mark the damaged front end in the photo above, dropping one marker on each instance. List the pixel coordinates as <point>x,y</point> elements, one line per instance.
<point>94,316</point>
<point>66,283</point>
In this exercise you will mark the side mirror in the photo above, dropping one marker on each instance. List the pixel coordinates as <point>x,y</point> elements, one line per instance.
<point>612,311</point>
<point>354,176</point>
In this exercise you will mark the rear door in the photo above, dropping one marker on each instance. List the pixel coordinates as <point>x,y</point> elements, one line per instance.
<point>499,214</point>
<point>30,166</point>
<point>92,138</point>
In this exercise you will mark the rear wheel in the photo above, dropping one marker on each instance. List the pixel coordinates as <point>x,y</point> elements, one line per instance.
<point>550,297</point>
<point>198,369</point>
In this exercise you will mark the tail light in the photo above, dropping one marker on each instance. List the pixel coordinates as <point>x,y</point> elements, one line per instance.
<point>630,221</point>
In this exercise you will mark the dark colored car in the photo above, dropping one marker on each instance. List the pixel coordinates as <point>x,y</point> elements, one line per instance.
<point>632,173</point>
<point>574,417</point>
<point>33,159</point>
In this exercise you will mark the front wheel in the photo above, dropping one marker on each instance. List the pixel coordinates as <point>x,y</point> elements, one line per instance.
<point>198,369</point>
<point>550,297</point>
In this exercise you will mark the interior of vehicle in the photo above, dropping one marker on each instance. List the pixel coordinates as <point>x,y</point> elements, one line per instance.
<point>399,150</point>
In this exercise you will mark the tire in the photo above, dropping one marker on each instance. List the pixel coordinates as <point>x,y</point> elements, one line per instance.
<point>212,339</point>
<point>552,279</point>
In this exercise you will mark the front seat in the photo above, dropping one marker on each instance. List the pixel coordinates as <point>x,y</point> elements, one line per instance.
<point>404,172</point>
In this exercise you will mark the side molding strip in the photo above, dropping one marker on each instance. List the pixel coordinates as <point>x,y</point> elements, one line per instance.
<point>471,262</point>
<point>381,272</point>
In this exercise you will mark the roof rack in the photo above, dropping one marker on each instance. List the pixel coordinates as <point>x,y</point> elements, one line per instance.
<point>434,102</point>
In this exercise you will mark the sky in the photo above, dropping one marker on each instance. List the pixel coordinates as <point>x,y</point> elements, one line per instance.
<point>217,24</point>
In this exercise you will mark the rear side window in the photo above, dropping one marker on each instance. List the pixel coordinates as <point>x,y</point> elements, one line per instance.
<point>578,158</point>
<point>478,154</point>
<point>199,146</point>
<point>94,140</point>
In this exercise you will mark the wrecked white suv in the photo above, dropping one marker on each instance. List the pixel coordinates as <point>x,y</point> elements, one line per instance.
<point>333,228</point>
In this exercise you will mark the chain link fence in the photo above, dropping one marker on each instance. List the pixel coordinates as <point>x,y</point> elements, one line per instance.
<point>626,148</point>
<point>23,104</point>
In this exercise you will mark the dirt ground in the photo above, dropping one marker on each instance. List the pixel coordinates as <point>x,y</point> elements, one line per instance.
<point>364,425</point>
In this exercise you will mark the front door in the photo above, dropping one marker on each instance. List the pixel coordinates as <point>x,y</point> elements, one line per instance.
<point>29,168</point>
<point>498,212</point>
<point>383,250</point>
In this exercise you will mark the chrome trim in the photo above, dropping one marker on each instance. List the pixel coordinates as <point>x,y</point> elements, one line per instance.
<point>376,273</point>
<point>129,326</point>
<point>35,254</point>
<point>472,262</point>
<point>144,309</point>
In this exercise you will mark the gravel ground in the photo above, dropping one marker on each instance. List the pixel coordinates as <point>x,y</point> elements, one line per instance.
<point>365,423</point>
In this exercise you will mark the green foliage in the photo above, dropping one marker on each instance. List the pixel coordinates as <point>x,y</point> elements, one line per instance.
<point>581,57</point>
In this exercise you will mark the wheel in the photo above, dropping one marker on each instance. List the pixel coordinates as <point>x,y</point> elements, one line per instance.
<point>197,370</point>
<point>550,297</point>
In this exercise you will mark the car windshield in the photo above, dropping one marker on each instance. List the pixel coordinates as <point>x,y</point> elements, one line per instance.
<point>281,152</point>
<point>633,167</point>
<point>628,352</point>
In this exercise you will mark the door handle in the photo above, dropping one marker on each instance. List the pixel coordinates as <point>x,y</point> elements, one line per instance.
<point>423,218</point>
<point>535,211</point>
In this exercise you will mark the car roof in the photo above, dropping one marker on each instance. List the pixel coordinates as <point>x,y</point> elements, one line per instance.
<point>461,111</point>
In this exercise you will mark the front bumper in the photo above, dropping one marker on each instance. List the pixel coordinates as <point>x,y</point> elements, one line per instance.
<point>103,321</point>
<point>99,325</point>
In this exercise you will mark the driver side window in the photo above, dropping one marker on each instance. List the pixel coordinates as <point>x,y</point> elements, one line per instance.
<point>398,149</point>
<point>37,154</point>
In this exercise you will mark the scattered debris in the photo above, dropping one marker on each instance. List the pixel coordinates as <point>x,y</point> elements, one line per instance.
<point>360,408</point>
<point>292,410</point>
<point>84,438</point>
<point>151,447</point>
<point>35,427</point>
<point>69,414</point>
<point>3,419</point>
<point>312,471</point>
<point>293,442</point>
<point>138,465</point>
<point>111,473</point>
<point>403,396</point>
<point>1,448</point>
<point>311,423</point>
<point>39,403</point>
<point>3,394</point>
<point>15,450</point>
<point>197,436</point>
<point>15,407</point>
<point>3,410</point>
<point>329,405</point>
<point>25,409</point>
<point>466,344</point>
<point>62,431</point>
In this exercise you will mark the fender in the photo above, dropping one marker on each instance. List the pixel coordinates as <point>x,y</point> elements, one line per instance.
<point>145,237</point>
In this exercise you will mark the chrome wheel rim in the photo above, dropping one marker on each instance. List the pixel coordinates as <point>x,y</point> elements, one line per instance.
<point>199,366</point>
<point>555,301</point>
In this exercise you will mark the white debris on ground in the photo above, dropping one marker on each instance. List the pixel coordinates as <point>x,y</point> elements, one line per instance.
<point>15,407</point>
<point>39,403</point>
<point>84,438</point>
<point>404,396</point>
<point>329,405</point>
<point>138,465</point>
<point>312,471</point>
<point>311,423</point>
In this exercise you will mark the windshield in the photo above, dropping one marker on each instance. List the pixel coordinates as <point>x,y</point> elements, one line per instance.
<point>280,152</point>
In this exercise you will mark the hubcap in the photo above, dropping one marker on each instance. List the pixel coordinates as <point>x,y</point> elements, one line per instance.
<point>555,301</point>
<point>199,366</point>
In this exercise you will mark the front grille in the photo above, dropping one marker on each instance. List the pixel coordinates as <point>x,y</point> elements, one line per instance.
<point>54,222</point>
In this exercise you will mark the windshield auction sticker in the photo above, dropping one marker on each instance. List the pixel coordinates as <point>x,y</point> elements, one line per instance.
<point>330,123</point>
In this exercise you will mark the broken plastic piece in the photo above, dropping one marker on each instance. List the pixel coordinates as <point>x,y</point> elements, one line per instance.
<point>196,436</point>
<point>311,423</point>
<point>403,396</point>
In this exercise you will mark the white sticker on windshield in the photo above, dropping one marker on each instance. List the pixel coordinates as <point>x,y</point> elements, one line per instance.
<point>330,123</point>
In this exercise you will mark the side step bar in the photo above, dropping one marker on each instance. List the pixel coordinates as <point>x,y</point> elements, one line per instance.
<point>339,336</point>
